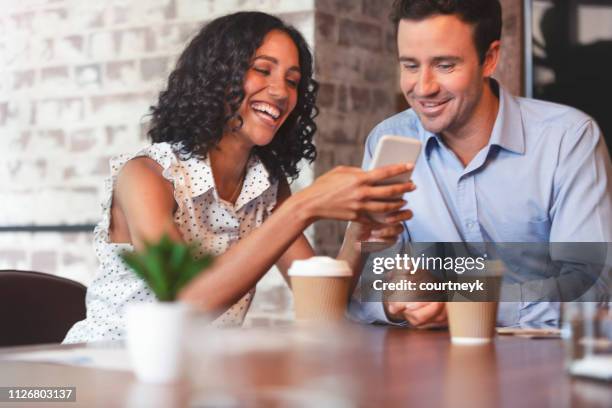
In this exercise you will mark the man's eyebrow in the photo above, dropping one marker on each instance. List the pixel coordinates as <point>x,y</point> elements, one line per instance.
<point>448,58</point>
<point>437,59</point>
<point>275,61</point>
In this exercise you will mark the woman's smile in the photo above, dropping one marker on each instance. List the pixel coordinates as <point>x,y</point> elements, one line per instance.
<point>269,113</point>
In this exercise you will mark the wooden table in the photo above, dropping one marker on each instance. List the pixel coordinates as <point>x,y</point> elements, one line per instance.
<point>353,366</point>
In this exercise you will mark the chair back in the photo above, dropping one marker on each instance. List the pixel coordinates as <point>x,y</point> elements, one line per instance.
<point>38,308</point>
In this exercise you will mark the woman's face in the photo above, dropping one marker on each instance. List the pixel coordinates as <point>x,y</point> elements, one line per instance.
<point>270,88</point>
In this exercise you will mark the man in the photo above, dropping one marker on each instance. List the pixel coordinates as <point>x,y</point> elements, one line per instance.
<point>494,167</point>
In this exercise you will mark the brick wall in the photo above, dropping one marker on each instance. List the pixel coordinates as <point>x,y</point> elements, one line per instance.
<point>78,76</point>
<point>77,79</point>
<point>356,65</point>
<point>510,69</point>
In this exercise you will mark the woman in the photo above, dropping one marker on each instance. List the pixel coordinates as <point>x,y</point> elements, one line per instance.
<point>231,127</point>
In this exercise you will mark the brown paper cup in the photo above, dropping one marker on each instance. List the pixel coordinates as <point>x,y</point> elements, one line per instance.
<point>472,322</point>
<point>320,298</point>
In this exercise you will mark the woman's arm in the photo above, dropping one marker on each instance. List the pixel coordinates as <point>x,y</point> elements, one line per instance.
<point>143,204</point>
<point>147,202</point>
<point>344,193</point>
<point>355,233</point>
<point>300,248</point>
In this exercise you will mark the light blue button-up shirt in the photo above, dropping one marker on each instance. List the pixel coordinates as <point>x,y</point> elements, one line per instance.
<point>544,176</point>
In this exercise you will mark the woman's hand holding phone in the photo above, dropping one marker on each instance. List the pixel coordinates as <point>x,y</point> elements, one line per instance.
<point>386,227</point>
<point>373,199</point>
<point>352,194</point>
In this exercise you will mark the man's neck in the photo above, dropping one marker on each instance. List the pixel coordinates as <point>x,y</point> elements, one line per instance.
<point>467,141</point>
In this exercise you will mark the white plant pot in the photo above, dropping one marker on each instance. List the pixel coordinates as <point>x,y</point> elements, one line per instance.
<point>155,340</point>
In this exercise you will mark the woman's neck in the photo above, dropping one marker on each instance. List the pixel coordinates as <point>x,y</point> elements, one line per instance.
<point>228,161</point>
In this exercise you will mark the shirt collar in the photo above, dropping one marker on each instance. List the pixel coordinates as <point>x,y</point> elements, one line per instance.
<point>429,139</point>
<point>508,128</point>
<point>199,176</point>
<point>507,131</point>
<point>201,180</point>
<point>256,182</point>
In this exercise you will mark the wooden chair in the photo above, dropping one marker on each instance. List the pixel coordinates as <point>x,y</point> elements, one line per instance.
<point>37,307</point>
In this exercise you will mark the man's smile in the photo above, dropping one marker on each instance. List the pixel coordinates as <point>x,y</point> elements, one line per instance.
<point>432,107</point>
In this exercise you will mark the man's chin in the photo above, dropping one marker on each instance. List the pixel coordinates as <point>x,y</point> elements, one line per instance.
<point>432,126</point>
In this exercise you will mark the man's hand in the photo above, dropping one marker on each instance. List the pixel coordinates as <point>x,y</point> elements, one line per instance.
<point>421,315</point>
<point>384,234</point>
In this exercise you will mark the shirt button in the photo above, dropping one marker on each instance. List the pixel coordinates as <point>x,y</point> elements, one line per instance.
<point>471,224</point>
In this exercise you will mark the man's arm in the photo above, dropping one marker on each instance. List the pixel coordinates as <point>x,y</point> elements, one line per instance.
<point>581,212</point>
<point>582,203</point>
<point>581,225</point>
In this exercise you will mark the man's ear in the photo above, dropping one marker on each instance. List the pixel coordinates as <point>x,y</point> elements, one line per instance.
<point>491,59</point>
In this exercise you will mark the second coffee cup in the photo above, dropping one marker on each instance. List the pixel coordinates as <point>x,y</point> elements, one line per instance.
<point>472,316</point>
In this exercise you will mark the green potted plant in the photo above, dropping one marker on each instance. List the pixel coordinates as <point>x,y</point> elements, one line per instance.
<point>155,331</point>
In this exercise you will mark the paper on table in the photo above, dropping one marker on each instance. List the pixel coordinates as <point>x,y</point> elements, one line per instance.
<point>530,333</point>
<point>104,358</point>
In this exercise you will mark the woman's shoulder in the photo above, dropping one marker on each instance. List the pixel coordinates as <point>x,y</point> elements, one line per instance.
<point>143,177</point>
<point>158,158</point>
<point>151,171</point>
<point>141,169</point>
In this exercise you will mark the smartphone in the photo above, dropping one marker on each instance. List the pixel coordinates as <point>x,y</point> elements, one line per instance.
<point>393,149</point>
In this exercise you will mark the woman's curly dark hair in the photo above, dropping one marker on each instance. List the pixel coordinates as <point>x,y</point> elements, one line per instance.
<point>208,79</point>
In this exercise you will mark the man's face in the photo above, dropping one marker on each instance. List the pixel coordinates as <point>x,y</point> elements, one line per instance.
<point>441,76</point>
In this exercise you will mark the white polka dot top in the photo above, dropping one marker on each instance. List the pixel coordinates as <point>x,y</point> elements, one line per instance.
<point>201,217</point>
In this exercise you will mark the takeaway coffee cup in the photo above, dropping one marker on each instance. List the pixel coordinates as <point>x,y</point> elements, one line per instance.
<point>472,317</point>
<point>320,288</point>
<point>471,322</point>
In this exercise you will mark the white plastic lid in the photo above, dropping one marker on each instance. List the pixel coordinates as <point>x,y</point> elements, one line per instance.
<point>320,266</point>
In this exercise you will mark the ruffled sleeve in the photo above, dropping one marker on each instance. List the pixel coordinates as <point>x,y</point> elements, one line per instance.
<point>161,153</point>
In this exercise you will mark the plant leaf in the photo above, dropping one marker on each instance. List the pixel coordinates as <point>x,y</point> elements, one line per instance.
<point>134,261</point>
<point>167,266</point>
<point>154,262</point>
<point>179,256</point>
